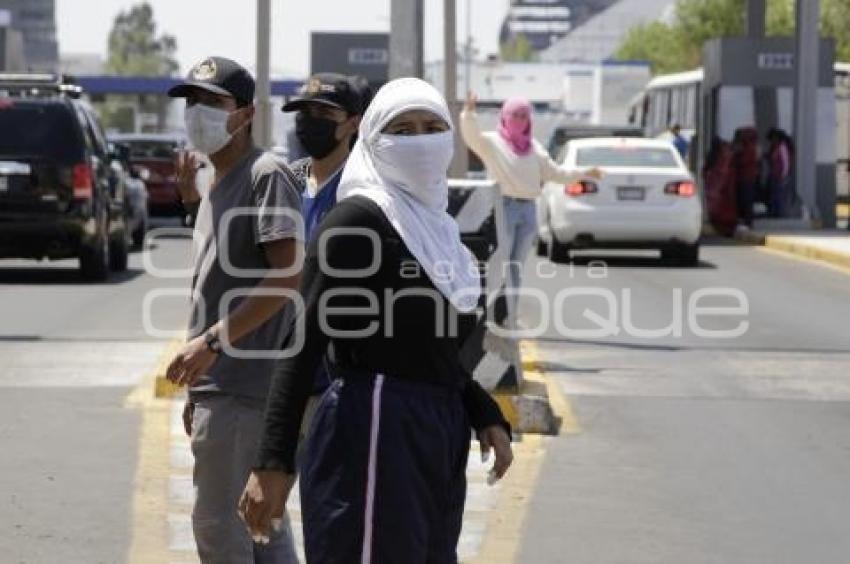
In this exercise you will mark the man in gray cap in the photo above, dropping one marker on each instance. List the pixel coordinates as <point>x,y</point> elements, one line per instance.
<point>248,246</point>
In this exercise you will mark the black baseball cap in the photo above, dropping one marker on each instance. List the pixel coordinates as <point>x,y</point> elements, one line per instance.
<point>330,89</point>
<point>218,75</point>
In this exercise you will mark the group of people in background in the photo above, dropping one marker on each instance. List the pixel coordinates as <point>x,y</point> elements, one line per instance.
<point>371,407</point>
<point>745,174</point>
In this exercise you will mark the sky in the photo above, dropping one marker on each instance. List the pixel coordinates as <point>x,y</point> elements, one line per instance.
<point>227,27</point>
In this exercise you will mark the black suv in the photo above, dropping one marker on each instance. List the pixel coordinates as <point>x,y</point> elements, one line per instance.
<point>56,198</point>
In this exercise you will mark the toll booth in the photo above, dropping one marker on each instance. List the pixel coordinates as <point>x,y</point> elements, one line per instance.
<point>750,82</point>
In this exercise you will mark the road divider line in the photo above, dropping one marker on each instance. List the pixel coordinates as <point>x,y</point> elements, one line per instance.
<point>149,518</point>
<point>503,533</point>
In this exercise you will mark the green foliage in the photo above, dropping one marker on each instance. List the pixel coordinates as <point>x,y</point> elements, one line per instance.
<point>136,49</point>
<point>677,46</point>
<point>517,49</point>
<point>658,43</point>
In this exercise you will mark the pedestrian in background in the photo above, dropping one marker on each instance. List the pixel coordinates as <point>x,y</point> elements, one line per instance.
<point>679,142</point>
<point>719,181</point>
<point>745,166</point>
<point>247,223</point>
<point>520,165</point>
<point>779,172</point>
<point>383,466</point>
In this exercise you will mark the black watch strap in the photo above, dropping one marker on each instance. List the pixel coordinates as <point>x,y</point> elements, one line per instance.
<point>212,341</point>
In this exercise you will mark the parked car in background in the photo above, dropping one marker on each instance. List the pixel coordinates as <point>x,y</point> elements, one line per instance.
<point>135,193</point>
<point>563,134</point>
<point>157,154</point>
<point>647,198</point>
<point>56,197</point>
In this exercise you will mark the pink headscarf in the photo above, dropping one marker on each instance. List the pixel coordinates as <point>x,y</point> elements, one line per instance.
<point>516,131</point>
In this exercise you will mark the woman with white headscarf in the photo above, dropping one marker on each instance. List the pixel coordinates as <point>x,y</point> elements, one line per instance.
<point>386,283</point>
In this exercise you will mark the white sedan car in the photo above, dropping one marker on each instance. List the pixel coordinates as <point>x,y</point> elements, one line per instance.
<point>646,199</point>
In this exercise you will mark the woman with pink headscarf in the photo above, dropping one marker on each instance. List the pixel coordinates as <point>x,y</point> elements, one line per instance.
<point>520,165</point>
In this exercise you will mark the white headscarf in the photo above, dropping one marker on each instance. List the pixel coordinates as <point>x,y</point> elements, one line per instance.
<point>406,177</point>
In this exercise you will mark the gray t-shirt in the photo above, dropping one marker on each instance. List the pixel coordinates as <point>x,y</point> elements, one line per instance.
<point>256,202</point>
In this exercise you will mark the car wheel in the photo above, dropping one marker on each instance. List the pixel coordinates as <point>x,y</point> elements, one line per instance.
<point>681,255</point>
<point>118,251</point>
<point>94,259</point>
<point>559,253</point>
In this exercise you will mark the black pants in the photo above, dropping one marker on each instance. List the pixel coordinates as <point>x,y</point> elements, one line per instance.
<point>383,473</point>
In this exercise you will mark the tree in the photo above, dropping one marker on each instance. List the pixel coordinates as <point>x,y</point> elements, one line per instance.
<point>135,49</point>
<point>517,49</point>
<point>678,46</point>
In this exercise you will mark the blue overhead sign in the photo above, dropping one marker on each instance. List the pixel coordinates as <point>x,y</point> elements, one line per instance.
<point>106,84</point>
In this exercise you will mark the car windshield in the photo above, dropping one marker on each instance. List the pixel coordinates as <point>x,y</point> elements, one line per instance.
<point>646,157</point>
<point>151,149</point>
<point>39,130</point>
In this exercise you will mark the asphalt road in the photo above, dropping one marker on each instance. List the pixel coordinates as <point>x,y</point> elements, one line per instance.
<point>70,353</point>
<point>693,448</point>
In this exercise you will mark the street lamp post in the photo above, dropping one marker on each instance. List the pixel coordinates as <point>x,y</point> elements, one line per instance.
<point>805,105</point>
<point>458,166</point>
<point>263,117</point>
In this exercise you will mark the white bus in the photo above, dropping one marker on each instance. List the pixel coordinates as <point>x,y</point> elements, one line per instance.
<point>676,98</point>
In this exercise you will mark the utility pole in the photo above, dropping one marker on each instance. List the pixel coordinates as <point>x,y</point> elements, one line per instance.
<point>263,116</point>
<point>406,51</point>
<point>755,19</point>
<point>459,164</point>
<point>468,51</point>
<point>807,59</point>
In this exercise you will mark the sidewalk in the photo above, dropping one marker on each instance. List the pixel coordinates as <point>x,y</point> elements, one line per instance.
<point>831,246</point>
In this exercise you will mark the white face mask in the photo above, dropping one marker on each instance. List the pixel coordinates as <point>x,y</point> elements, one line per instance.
<point>417,164</point>
<point>207,128</point>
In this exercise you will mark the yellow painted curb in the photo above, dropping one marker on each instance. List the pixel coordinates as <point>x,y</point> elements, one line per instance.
<point>789,246</point>
<point>538,406</point>
<point>504,525</point>
<point>149,542</point>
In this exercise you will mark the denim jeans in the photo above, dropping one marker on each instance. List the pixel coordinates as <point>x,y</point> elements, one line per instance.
<point>521,224</point>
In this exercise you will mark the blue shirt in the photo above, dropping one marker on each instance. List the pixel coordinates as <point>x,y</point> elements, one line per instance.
<point>315,207</point>
<point>681,145</point>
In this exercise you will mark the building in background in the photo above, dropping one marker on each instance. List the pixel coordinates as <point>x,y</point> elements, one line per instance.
<point>366,54</point>
<point>81,64</point>
<point>36,21</point>
<point>585,93</point>
<point>540,23</point>
<point>599,37</point>
<point>561,93</point>
<point>11,45</point>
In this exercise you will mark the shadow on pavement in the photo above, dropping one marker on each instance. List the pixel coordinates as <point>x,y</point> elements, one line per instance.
<point>61,275</point>
<point>625,261</point>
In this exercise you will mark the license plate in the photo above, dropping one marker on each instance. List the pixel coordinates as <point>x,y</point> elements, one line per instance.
<point>4,184</point>
<point>631,193</point>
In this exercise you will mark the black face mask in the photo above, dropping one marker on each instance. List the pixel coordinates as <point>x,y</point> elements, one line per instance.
<point>316,134</point>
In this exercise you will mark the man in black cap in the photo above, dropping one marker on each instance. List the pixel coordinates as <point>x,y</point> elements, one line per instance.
<point>329,111</point>
<point>247,255</point>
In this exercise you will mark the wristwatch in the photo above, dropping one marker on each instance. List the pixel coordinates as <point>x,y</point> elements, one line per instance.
<point>212,341</point>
